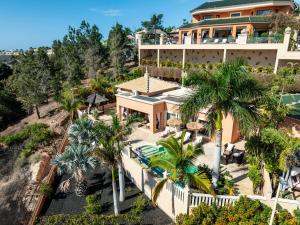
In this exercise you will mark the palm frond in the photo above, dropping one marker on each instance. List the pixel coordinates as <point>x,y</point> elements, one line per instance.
<point>201,181</point>
<point>167,165</point>
<point>157,189</point>
<point>171,145</point>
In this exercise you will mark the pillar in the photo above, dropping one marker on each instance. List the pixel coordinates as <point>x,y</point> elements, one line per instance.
<point>183,58</point>
<point>158,58</point>
<point>224,55</point>
<point>152,118</point>
<point>234,31</point>
<point>211,32</point>
<point>180,37</point>
<point>186,199</point>
<point>199,36</point>
<point>139,53</point>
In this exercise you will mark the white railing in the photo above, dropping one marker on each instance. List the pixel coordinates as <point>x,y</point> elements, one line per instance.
<point>220,200</point>
<point>178,192</point>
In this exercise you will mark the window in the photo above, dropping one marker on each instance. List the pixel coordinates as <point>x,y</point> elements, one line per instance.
<point>263,12</point>
<point>207,17</point>
<point>235,14</point>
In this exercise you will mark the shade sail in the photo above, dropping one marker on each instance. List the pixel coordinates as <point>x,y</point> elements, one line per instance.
<point>95,99</point>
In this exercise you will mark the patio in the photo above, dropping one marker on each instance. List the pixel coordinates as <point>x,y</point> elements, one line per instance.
<point>141,137</point>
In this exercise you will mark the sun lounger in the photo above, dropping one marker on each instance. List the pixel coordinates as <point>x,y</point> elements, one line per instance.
<point>187,137</point>
<point>198,140</point>
<point>166,132</point>
<point>178,134</point>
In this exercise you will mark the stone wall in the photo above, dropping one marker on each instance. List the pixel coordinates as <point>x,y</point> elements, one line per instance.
<point>171,55</point>
<point>254,57</point>
<point>204,56</point>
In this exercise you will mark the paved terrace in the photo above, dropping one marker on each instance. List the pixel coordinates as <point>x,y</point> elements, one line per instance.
<point>142,136</point>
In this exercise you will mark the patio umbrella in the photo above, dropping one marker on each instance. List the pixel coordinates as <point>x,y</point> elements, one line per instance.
<point>194,126</point>
<point>95,99</point>
<point>174,122</point>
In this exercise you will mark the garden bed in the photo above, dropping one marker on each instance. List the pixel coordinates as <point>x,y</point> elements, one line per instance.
<point>100,182</point>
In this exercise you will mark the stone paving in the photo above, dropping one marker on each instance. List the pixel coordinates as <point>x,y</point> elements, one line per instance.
<point>142,136</point>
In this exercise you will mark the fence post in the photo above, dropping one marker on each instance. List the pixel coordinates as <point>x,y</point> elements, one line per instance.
<point>186,200</point>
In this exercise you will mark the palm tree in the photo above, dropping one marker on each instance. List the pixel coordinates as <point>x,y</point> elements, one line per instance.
<point>108,153</point>
<point>178,163</point>
<point>153,24</point>
<point>228,89</point>
<point>77,161</point>
<point>83,132</point>
<point>119,131</point>
<point>70,105</point>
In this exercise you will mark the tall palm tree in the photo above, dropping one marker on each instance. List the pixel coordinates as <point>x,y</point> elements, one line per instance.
<point>83,132</point>
<point>177,162</point>
<point>108,153</point>
<point>76,161</point>
<point>119,131</point>
<point>228,89</point>
<point>153,24</point>
<point>70,105</point>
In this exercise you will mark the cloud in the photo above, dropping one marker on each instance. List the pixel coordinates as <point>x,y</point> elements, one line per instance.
<point>107,12</point>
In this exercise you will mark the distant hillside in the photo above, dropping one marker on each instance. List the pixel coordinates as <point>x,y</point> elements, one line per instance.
<point>6,59</point>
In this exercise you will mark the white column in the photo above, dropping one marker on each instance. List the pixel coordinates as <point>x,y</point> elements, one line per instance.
<point>224,55</point>
<point>183,58</point>
<point>158,58</point>
<point>186,199</point>
<point>139,52</point>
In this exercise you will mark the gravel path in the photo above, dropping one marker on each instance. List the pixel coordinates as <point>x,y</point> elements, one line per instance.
<point>100,181</point>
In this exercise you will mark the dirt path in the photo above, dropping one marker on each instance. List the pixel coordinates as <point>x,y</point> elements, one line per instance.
<point>45,110</point>
<point>14,178</point>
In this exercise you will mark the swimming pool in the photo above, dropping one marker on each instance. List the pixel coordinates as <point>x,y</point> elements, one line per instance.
<point>148,151</point>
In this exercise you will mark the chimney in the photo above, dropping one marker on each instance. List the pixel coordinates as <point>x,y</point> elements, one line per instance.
<point>148,80</point>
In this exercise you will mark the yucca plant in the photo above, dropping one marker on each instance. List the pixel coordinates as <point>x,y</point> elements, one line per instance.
<point>226,89</point>
<point>83,132</point>
<point>76,161</point>
<point>177,162</point>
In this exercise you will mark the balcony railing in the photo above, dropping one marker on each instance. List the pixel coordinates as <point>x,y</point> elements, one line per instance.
<point>270,39</point>
<point>278,38</point>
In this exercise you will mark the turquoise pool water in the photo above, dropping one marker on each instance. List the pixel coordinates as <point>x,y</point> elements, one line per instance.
<point>148,151</point>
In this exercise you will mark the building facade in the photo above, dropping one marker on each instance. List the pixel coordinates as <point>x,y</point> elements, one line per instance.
<point>226,19</point>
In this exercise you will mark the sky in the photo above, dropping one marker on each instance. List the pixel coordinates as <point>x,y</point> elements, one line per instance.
<point>34,23</point>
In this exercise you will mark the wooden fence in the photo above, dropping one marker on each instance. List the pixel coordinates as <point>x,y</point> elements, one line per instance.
<point>49,180</point>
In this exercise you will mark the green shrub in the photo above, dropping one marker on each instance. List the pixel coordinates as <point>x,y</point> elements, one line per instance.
<point>139,205</point>
<point>244,211</point>
<point>92,204</point>
<point>32,136</point>
<point>255,176</point>
<point>88,219</point>
<point>46,190</point>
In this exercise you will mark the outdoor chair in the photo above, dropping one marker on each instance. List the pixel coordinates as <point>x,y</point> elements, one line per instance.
<point>178,134</point>
<point>165,133</point>
<point>228,150</point>
<point>198,140</point>
<point>216,41</point>
<point>187,137</point>
<point>238,157</point>
<point>224,41</point>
